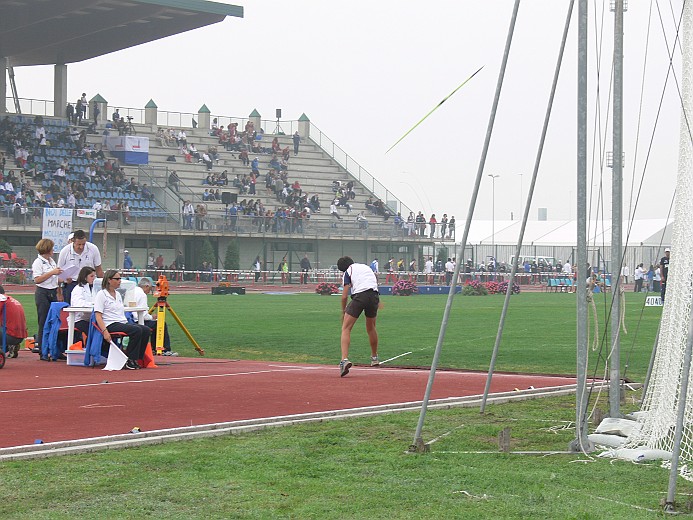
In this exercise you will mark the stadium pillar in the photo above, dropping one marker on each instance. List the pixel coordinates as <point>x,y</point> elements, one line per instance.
<point>3,85</point>
<point>304,126</point>
<point>59,89</point>
<point>203,120</point>
<point>256,119</point>
<point>151,114</point>
<point>103,107</point>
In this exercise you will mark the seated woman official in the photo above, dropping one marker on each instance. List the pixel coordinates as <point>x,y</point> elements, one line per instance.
<point>83,296</point>
<point>110,317</point>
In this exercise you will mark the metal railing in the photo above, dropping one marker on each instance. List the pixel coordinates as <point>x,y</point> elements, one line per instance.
<point>35,107</point>
<point>357,171</point>
<point>218,222</point>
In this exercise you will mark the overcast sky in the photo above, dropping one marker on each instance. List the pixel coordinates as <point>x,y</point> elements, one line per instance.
<point>364,72</point>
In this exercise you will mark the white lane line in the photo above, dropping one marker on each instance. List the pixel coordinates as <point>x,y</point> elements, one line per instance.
<point>19,390</point>
<point>99,405</point>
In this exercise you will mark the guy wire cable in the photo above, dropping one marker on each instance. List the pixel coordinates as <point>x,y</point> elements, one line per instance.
<point>669,71</point>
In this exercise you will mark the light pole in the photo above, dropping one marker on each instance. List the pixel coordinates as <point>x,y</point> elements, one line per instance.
<point>493,218</point>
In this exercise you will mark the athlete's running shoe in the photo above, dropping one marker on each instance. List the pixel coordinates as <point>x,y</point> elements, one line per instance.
<point>344,367</point>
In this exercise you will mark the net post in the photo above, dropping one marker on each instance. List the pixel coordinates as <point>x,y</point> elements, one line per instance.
<point>678,433</point>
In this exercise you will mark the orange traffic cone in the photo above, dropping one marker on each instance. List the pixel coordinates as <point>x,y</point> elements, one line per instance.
<point>76,346</point>
<point>148,360</point>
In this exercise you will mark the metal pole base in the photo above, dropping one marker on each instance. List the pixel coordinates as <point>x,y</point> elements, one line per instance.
<point>419,447</point>
<point>576,446</point>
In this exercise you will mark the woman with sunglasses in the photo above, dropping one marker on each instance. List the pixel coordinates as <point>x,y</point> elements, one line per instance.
<point>110,317</point>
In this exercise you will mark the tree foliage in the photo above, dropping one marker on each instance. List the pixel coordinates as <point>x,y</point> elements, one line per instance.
<point>206,253</point>
<point>232,260</point>
<point>5,247</point>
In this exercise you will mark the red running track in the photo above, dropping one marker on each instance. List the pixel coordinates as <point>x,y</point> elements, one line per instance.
<point>55,402</point>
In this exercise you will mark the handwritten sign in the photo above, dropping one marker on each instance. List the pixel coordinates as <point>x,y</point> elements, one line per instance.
<point>57,225</point>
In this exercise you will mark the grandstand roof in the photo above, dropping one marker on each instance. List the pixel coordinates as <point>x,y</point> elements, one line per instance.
<point>29,32</point>
<point>564,232</point>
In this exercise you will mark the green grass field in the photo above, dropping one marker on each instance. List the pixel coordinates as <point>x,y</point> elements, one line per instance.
<point>359,468</point>
<point>539,334</point>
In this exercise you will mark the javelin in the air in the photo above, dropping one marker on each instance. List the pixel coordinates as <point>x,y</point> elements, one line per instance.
<point>434,109</point>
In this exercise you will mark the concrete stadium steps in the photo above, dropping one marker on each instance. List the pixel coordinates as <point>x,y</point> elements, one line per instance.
<point>313,169</point>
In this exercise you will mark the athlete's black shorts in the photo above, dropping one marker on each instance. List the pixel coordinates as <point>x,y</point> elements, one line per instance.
<point>367,301</point>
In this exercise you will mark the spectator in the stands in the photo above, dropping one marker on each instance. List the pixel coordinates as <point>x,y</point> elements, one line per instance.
<point>70,112</point>
<point>78,113</point>
<point>297,141</point>
<point>432,222</point>
<point>342,201</point>
<point>255,166</point>
<point>207,160</point>
<point>314,203</point>
<point>421,224</point>
<point>146,192</point>
<point>213,153</point>
<point>194,153</point>
<point>59,174</point>
<point>362,221</point>
<point>173,180</point>
<point>163,138</point>
<point>451,227</point>
<point>243,156</point>
<point>182,140</point>
<point>410,223</point>
<point>443,225</point>
<point>188,212</point>
<point>85,104</point>
<point>334,213</point>
<point>95,111</point>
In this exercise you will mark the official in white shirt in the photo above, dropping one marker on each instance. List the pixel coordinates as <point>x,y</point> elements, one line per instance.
<point>45,273</point>
<point>110,317</point>
<point>83,296</point>
<point>79,253</point>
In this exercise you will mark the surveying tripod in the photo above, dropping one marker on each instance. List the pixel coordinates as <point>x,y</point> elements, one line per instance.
<point>161,307</point>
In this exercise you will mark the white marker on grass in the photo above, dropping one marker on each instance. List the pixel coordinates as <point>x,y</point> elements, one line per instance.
<point>405,354</point>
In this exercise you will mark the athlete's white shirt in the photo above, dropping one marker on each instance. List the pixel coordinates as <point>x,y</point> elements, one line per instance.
<point>361,278</point>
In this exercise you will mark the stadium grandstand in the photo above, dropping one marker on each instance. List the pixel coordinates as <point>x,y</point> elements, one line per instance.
<point>204,177</point>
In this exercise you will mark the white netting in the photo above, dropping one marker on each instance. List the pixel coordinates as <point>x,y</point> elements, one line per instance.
<point>661,400</point>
